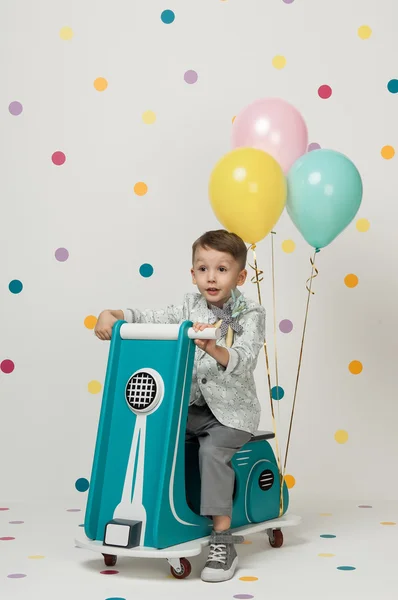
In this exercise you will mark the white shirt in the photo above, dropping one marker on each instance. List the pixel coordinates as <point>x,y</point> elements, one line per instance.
<point>230,392</point>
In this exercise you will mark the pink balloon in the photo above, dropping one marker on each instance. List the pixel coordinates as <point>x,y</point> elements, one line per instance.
<point>272,125</point>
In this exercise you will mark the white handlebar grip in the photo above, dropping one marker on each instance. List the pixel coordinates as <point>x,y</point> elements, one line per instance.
<point>150,331</point>
<point>210,333</point>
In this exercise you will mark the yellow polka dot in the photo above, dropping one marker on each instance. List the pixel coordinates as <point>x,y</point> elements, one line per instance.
<point>326,555</point>
<point>90,322</point>
<point>66,33</point>
<point>100,84</point>
<point>233,118</point>
<point>364,32</point>
<point>140,188</point>
<point>279,62</point>
<point>288,246</point>
<point>149,117</point>
<point>355,367</point>
<point>36,557</point>
<point>351,280</point>
<point>362,225</point>
<point>290,481</point>
<point>325,514</point>
<point>387,523</point>
<point>387,152</point>
<point>341,436</point>
<point>94,387</point>
<point>248,578</point>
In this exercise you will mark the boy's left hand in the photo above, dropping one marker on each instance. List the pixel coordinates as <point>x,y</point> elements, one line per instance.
<point>206,345</point>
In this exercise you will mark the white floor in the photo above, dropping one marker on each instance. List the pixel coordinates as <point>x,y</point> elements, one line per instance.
<point>42,563</point>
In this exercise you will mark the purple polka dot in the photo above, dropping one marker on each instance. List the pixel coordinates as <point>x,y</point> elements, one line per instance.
<point>286,326</point>
<point>16,522</point>
<point>190,76</point>
<point>16,576</point>
<point>313,146</point>
<point>73,510</point>
<point>288,1</point>
<point>365,506</point>
<point>15,108</point>
<point>61,254</point>
<point>243,596</point>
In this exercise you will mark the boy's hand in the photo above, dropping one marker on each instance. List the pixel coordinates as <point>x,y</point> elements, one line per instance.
<point>103,328</point>
<point>206,345</point>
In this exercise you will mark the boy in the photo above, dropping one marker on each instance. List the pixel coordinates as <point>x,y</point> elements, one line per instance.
<point>223,409</point>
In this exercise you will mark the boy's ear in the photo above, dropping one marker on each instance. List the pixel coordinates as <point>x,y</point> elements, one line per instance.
<point>242,277</point>
<point>193,276</point>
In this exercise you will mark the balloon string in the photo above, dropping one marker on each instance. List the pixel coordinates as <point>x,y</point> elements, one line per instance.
<point>310,292</point>
<point>256,279</point>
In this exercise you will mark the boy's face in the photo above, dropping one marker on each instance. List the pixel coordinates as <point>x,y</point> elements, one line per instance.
<point>216,274</point>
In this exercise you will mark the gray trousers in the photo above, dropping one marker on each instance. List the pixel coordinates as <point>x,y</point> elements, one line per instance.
<point>217,445</point>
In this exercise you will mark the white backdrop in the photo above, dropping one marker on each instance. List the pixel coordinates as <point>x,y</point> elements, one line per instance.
<point>88,206</point>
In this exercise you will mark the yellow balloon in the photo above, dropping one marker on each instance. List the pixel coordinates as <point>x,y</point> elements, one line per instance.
<point>247,191</point>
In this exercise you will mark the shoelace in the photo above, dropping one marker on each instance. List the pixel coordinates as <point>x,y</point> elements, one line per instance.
<point>218,552</point>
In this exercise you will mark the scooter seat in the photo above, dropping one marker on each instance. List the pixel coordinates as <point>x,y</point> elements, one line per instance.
<point>262,435</point>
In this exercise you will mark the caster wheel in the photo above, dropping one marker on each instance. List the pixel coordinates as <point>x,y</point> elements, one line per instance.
<point>110,560</point>
<point>185,569</point>
<point>276,540</point>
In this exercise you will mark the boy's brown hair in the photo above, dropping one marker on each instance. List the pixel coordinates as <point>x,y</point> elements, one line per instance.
<point>223,241</point>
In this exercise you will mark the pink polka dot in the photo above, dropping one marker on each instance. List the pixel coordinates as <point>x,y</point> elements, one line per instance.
<point>7,366</point>
<point>109,572</point>
<point>16,575</point>
<point>58,158</point>
<point>4,509</point>
<point>324,92</point>
<point>6,539</point>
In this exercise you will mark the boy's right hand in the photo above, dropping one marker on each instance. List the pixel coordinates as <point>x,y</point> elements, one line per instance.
<point>103,328</point>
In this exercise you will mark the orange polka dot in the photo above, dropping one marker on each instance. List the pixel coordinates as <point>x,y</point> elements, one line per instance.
<point>290,481</point>
<point>90,322</point>
<point>248,578</point>
<point>140,188</point>
<point>387,523</point>
<point>100,84</point>
<point>351,280</point>
<point>387,152</point>
<point>355,367</point>
<point>233,118</point>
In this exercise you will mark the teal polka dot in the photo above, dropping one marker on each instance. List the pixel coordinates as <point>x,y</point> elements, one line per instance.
<point>327,536</point>
<point>116,598</point>
<point>82,485</point>
<point>346,568</point>
<point>277,392</point>
<point>15,286</point>
<point>392,86</point>
<point>167,16</point>
<point>146,270</point>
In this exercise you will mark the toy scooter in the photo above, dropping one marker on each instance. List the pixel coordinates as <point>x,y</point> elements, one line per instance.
<point>144,492</point>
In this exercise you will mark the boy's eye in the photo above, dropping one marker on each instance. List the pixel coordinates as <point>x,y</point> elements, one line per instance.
<point>223,269</point>
<point>202,268</point>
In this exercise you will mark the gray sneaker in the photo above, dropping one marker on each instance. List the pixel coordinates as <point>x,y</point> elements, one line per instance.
<point>222,560</point>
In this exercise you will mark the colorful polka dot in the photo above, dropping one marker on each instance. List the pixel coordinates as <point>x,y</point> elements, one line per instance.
<point>387,152</point>
<point>190,77</point>
<point>7,539</point>
<point>277,392</point>
<point>326,555</point>
<point>82,485</point>
<point>36,557</point>
<point>324,92</point>
<point>94,387</point>
<point>15,108</point>
<point>288,1</point>
<point>351,280</point>
<point>279,62</point>
<point>313,146</point>
<point>341,436</point>
<point>167,16</point>
<point>364,32</point>
<point>248,578</point>
<point>73,510</point>
<point>327,536</point>
<point>233,118</point>
<point>346,568</point>
<point>325,514</point>
<point>290,481</point>
<point>388,523</point>
<point>58,158</point>
<point>61,254</point>
<point>90,322</point>
<point>4,509</point>
<point>140,188</point>
<point>7,367</point>
<point>16,522</point>
<point>286,326</point>
<point>146,270</point>
<point>392,86</point>
<point>288,246</point>
<point>109,572</point>
<point>365,506</point>
<point>16,575</point>
<point>66,33</point>
<point>15,286</point>
<point>362,225</point>
<point>100,84</point>
<point>243,596</point>
<point>355,367</point>
<point>149,117</point>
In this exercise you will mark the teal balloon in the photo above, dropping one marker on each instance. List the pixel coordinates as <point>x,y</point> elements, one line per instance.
<point>324,195</point>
